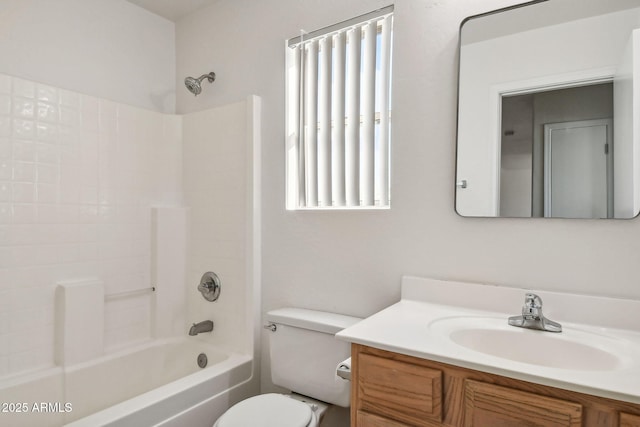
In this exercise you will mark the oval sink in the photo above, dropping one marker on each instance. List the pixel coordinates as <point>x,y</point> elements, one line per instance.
<point>571,349</point>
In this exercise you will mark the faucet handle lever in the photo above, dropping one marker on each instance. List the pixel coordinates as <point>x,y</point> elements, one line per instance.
<point>532,300</point>
<point>532,307</point>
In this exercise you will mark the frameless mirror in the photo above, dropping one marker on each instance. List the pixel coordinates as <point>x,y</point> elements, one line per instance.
<point>549,111</point>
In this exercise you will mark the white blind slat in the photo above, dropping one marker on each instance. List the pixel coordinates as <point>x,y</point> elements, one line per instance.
<point>382,154</point>
<point>311,124</point>
<point>352,136</point>
<point>338,118</point>
<point>324,125</point>
<point>297,117</point>
<point>368,112</point>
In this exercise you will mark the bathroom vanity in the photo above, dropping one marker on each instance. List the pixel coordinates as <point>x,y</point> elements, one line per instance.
<point>445,356</point>
<point>394,390</point>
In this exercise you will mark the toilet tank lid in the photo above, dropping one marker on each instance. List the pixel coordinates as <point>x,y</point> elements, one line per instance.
<point>320,321</point>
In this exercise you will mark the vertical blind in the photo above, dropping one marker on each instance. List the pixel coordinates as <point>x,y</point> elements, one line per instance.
<point>338,114</point>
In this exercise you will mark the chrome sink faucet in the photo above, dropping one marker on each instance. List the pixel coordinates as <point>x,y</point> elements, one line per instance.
<point>198,328</point>
<point>532,317</point>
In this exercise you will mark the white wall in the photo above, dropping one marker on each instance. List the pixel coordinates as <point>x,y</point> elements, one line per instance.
<point>106,48</point>
<point>351,262</point>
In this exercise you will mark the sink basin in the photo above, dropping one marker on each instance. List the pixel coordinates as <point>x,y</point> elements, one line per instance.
<point>573,349</point>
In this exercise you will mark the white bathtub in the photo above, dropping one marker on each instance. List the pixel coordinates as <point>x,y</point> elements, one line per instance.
<point>158,383</point>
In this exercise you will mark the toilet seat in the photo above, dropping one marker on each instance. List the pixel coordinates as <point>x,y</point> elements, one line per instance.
<point>268,410</point>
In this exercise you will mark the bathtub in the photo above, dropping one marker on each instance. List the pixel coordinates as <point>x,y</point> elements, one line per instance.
<point>155,384</point>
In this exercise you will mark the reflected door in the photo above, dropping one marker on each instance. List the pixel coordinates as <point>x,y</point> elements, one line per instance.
<point>578,169</point>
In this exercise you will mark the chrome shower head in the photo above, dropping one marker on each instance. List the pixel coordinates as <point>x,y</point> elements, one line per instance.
<point>195,85</point>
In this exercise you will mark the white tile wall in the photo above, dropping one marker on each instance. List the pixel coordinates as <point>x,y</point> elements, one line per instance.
<point>78,175</point>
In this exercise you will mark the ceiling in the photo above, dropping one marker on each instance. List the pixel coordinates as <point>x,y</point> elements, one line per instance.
<point>173,10</point>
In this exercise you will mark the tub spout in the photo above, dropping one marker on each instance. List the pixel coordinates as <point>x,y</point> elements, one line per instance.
<point>198,328</point>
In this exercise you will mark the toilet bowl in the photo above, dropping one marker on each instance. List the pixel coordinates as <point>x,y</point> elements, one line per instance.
<point>304,356</point>
<point>274,409</point>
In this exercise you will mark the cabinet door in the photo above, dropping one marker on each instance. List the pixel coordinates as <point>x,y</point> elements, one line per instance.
<point>628,420</point>
<point>492,405</point>
<point>366,419</point>
<point>399,390</point>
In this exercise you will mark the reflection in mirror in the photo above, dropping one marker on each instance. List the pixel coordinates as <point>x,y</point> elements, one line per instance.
<point>546,127</point>
<point>564,135</point>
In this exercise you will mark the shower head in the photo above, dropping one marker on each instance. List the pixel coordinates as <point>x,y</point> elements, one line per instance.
<point>195,85</point>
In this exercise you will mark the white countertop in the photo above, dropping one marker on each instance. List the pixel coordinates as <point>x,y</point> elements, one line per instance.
<point>409,327</point>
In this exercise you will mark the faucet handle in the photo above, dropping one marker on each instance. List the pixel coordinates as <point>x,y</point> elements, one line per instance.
<point>532,307</point>
<point>532,300</point>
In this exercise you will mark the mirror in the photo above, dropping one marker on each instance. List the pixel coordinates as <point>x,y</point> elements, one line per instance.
<point>549,111</point>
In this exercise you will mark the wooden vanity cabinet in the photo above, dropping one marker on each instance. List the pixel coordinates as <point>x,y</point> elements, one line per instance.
<point>398,390</point>
<point>628,420</point>
<point>491,405</point>
<point>394,390</point>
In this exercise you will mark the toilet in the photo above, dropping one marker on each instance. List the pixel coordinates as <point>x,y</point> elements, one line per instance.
<point>304,357</point>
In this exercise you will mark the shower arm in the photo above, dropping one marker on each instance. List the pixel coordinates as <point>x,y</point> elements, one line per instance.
<point>210,76</point>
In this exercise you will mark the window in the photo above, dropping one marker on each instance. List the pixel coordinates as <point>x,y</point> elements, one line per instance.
<point>338,115</point>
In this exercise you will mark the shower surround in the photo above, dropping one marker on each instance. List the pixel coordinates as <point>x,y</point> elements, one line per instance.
<point>78,176</point>
<point>94,192</point>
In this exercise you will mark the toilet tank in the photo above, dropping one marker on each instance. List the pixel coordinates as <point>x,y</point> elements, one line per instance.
<point>305,353</point>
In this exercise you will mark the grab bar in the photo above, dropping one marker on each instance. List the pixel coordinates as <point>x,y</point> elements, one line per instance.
<point>123,294</point>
